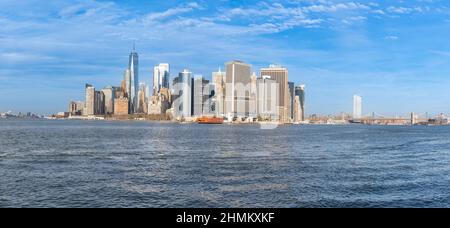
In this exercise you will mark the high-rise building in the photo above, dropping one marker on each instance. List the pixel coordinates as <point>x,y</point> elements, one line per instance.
<point>357,107</point>
<point>118,92</point>
<point>253,96</point>
<point>200,95</point>
<point>143,98</point>
<point>99,101</point>
<point>300,106</point>
<point>161,77</point>
<point>219,89</point>
<point>109,99</point>
<point>237,89</point>
<point>133,67</point>
<point>291,98</point>
<point>182,94</point>
<point>297,110</point>
<point>209,106</point>
<point>280,75</point>
<point>267,92</point>
<point>89,108</point>
<point>76,108</point>
<point>127,83</point>
<point>160,103</point>
<point>121,106</point>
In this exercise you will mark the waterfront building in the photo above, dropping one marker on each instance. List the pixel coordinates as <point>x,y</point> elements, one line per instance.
<point>182,94</point>
<point>76,108</point>
<point>357,107</point>
<point>219,88</point>
<point>109,94</point>
<point>90,100</point>
<point>133,70</point>
<point>280,75</point>
<point>154,105</point>
<point>201,99</point>
<point>300,93</point>
<point>142,98</point>
<point>253,113</point>
<point>99,101</point>
<point>209,108</point>
<point>291,98</point>
<point>161,77</point>
<point>121,106</point>
<point>267,99</point>
<point>297,110</point>
<point>237,89</point>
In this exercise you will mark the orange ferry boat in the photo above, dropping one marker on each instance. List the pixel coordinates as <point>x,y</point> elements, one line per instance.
<point>210,120</point>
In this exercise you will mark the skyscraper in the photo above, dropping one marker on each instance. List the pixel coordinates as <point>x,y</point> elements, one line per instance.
<point>109,94</point>
<point>357,107</point>
<point>133,67</point>
<point>253,96</point>
<point>161,77</point>
<point>200,96</point>
<point>182,94</point>
<point>219,88</point>
<point>99,103</point>
<point>267,98</point>
<point>89,103</point>
<point>280,75</point>
<point>237,89</point>
<point>300,93</point>
<point>291,98</point>
<point>142,98</point>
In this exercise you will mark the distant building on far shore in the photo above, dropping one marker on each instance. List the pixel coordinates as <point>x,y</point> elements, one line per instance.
<point>267,93</point>
<point>357,107</point>
<point>291,86</point>
<point>109,94</point>
<point>280,75</point>
<point>90,100</point>
<point>237,89</point>
<point>182,94</point>
<point>218,80</point>
<point>121,106</point>
<point>300,106</point>
<point>76,108</point>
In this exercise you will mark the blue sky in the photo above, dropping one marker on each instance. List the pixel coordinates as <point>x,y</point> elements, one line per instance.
<point>395,54</point>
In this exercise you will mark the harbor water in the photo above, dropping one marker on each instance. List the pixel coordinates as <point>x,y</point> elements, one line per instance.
<point>46,163</point>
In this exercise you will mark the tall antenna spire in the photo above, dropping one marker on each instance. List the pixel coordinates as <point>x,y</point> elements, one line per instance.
<point>134,46</point>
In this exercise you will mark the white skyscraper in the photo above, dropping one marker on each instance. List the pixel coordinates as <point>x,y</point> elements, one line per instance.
<point>182,96</point>
<point>357,107</point>
<point>161,79</point>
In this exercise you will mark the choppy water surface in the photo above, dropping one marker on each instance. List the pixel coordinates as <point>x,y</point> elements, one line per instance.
<point>141,164</point>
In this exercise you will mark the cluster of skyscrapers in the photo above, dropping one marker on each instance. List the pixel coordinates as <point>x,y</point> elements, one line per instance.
<point>236,94</point>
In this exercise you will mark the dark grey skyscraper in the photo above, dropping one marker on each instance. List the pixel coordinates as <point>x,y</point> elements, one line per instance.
<point>300,92</point>
<point>291,97</point>
<point>133,66</point>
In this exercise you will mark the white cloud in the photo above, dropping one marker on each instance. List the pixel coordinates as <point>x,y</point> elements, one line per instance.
<point>152,17</point>
<point>391,37</point>
<point>15,57</point>
<point>404,10</point>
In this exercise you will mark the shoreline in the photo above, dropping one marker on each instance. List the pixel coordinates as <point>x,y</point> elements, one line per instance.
<point>150,120</point>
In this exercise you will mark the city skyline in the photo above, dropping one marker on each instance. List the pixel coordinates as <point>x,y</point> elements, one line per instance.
<point>336,48</point>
